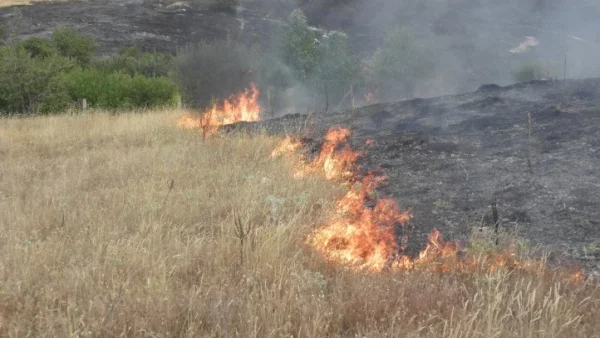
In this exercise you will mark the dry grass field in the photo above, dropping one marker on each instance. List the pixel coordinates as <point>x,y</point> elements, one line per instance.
<point>128,226</point>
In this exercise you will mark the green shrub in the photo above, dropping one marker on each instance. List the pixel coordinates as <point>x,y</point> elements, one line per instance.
<point>39,47</point>
<point>338,68</point>
<point>133,62</point>
<point>72,44</point>
<point>119,90</point>
<point>530,72</point>
<point>3,34</point>
<point>299,46</point>
<point>398,65</point>
<point>27,85</point>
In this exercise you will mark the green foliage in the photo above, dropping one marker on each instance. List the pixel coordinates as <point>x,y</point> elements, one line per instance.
<point>51,75</point>
<point>38,47</point>
<point>299,46</point>
<point>119,90</point>
<point>3,34</point>
<point>398,64</point>
<point>71,43</point>
<point>337,67</point>
<point>530,72</point>
<point>27,84</point>
<point>132,62</point>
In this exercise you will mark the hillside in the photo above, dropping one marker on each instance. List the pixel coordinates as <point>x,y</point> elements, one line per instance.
<point>473,42</point>
<point>531,147</point>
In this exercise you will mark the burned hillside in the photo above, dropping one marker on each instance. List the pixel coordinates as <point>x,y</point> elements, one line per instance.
<point>530,148</point>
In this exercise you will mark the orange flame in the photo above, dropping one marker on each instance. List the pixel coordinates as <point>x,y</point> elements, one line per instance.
<point>287,146</point>
<point>362,233</point>
<point>243,107</point>
<point>360,236</point>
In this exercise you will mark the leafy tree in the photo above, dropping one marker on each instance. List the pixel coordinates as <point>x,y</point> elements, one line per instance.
<point>131,61</point>
<point>338,68</point>
<point>398,64</point>
<point>531,72</point>
<point>39,47</point>
<point>27,84</point>
<point>299,46</point>
<point>72,44</point>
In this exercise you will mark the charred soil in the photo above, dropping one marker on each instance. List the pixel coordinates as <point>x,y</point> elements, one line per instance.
<point>531,148</point>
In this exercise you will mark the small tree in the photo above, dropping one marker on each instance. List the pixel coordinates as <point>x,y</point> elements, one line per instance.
<point>27,84</point>
<point>398,64</point>
<point>337,66</point>
<point>299,46</point>
<point>74,45</point>
<point>531,72</point>
<point>39,47</point>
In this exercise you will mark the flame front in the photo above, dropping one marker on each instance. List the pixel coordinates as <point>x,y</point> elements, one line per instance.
<point>358,235</point>
<point>362,233</point>
<point>241,108</point>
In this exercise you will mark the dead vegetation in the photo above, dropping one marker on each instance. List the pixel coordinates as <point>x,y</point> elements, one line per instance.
<point>128,226</point>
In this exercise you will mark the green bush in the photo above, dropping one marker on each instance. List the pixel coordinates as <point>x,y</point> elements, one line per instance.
<point>119,90</point>
<point>132,62</point>
<point>337,68</point>
<point>27,84</point>
<point>397,65</point>
<point>299,46</point>
<point>72,44</point>
<point>51,75</point>
<point>38,47</point>
<point>530,72</point>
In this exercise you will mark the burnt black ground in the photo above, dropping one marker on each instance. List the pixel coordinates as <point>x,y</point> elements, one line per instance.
<point>470,41</point>
<point>450,157</point>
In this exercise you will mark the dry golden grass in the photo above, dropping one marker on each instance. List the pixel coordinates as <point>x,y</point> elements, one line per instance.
<point>94,242</point>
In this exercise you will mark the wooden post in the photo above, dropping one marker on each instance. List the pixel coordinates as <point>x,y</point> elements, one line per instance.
<point>565,73</point>
<point>269,107</point>
<point>84,105</point>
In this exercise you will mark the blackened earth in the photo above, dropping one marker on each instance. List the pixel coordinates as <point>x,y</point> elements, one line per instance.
<point>533,148</point>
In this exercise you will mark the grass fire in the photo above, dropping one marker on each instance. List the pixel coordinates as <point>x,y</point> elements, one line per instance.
<point>299,168</point>
<point>221,236</point>
<point>241,108</point>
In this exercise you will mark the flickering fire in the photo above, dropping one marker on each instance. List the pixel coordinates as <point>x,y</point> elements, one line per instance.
<point>287,146</point>
<point>363,232</point>
<point>243,107</point>
<point>360,236</point>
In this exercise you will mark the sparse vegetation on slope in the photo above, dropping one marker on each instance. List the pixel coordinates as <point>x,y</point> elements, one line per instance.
<point>127,226</point>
